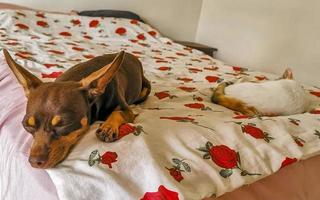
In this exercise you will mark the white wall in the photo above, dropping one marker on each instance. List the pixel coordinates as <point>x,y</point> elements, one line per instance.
<point>177,19</point>
<point>266,35</point>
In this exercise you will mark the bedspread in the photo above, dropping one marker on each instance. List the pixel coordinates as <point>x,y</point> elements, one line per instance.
<point>181,146</point>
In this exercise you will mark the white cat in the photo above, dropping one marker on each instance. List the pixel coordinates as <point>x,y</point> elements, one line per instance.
<point>284,96</point>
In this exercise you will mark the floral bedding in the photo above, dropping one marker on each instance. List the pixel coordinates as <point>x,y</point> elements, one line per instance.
<point>181,146</point>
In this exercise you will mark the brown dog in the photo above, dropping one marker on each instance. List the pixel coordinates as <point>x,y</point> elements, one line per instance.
<point>60,112</point>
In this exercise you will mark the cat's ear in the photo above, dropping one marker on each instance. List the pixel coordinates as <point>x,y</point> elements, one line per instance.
<point>287,74</point>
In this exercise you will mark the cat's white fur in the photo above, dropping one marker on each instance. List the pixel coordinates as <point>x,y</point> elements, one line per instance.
<point>278,97</point>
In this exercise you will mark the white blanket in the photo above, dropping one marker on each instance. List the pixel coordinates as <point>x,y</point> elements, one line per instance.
<point>181,146</point>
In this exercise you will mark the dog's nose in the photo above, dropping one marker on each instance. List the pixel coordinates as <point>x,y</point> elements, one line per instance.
<point>38,161</point>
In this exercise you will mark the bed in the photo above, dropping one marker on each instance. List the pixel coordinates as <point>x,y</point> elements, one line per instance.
<point>181,146</point>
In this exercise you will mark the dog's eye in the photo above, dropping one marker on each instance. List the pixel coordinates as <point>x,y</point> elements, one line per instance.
<point>30,124</point>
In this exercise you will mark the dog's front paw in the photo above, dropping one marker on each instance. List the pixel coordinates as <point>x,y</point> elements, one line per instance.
<point>108,132</point>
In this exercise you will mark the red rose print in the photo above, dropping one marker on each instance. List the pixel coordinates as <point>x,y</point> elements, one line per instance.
<point>197,98</point>
<point>78,48</point>
<point>181,54</point>
<point>121,31</point>
<point>26,52</point>
<point>164,68</point>
<point>152,33</point>
<point>42,24</point>
<point>300,142</point>
<point>141,36</point>
<point>187,89</point>
<point>75,22</point>
<point>315,111</point>
<point>287,162</point>
<point>75,60</point>
<point>157,58</point>
<point>108,158</point>
<point>162,194</point>
<point>88,56</point>
<point>255,132</point>
<point>64,33</point>
<point>162,95</point>
<point>176,169</point>
<point>186,80</point>
<point>41,15</point>
<point>195,105</point>
<point>240,117</point>
<point>261,77</point>
<point>52,75</point>
<point>161,61</point>
<point>238,69</point>
<point>212,79</point>
<point>126,129</point>
<point>11,43</point>
<point>176,174</point>
<point>223,156</point>
<point>48,65</point>
<point>190,50</point>
<point>182,119</point>
<point>134,21</point>
<point>87,37</point>
<point>50,43</point>
<point>137,52</point>
<point>317,94</point>
<point>56,52</point>
<point>22,26</point>
<point>133,41</point>
<point>144,44</point>
<point>172,57</point>
<point>204,58</point>
<point>194,70</point>
<point>21,14</point>
<point>93,23</point>
<point>35,37</point>
<point>24,55</point>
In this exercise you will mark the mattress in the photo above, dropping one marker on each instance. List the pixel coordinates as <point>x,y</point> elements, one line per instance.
<point>181,146</point>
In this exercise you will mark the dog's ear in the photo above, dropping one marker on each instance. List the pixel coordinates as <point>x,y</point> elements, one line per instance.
<point>287,74</point>
<point>97,81</point>
<point>25,78</point>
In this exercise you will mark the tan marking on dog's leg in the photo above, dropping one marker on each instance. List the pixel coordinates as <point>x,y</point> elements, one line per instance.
<point>146,89</point>
<point>84,121</point>
<point>109,130</point>
<point>143,93</point>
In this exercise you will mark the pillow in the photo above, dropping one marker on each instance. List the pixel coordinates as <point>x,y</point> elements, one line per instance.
<point>111,13</point>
